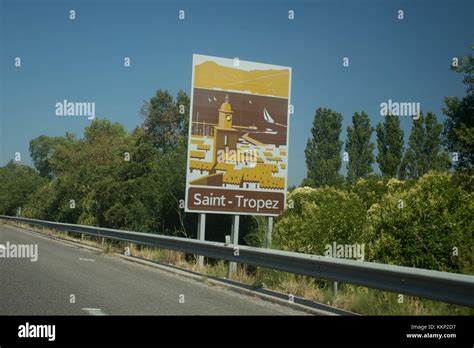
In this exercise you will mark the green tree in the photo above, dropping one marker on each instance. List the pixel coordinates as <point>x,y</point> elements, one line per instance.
<point>424,152</point>
<point>87,170</point>
<point>41,150</point>
<point>138,200</point>
<point>164,120</point>
<point>459,125</point>
<point>389,145</point>
<point>359,147</point>
<point>323,150</point>
<point>18,182</point>
<point>111,178</point>
<point>183,105</point>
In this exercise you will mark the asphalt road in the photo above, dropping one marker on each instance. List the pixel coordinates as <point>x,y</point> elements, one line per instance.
<point>107,285</point>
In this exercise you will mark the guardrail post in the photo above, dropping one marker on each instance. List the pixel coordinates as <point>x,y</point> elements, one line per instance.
<point>201,235</point>
<point>82,236</point>
<point>334,288</point>
<point>234,239</point>
<point>268,232</point>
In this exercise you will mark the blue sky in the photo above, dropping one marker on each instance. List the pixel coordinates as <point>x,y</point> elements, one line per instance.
<point>82,60</point>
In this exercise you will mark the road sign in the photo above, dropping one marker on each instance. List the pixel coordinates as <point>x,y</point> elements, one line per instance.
<point>238,137</point>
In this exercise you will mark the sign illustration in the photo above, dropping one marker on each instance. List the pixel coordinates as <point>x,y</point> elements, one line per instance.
<point>238,137</point>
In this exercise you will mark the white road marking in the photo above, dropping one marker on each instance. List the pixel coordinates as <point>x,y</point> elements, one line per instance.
<point>94,311</point>
<point>82,259</point>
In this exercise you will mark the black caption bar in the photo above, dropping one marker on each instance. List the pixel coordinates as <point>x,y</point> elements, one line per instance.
<point>139,330</point>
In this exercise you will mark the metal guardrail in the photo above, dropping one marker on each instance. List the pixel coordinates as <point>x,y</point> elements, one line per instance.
<point>441,286</point>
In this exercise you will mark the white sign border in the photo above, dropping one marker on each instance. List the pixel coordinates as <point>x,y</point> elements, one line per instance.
<point>186,210</point>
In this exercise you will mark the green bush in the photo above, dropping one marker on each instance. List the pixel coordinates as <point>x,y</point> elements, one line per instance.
<point>372,189</point>
<point>319,217</point>
<point>424,226</point>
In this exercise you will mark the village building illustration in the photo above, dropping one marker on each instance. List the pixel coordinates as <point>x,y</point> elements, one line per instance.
<point>225,160</point>
<point>224,153</point>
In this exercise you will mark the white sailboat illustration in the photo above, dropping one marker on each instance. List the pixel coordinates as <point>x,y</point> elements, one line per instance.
<point>269,119</point>
<point>267,116</point>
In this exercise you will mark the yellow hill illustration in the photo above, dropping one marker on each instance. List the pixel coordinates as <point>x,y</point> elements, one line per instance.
<point>267,82</point>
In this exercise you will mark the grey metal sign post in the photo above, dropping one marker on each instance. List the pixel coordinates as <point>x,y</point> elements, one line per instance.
<point>201,234</point>
<point>234,240</point>
<point>268,232</point>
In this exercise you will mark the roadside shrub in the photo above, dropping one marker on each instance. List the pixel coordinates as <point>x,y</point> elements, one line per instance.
<point>429,226</point>
<point>372,189</point>
<point>319,217</point>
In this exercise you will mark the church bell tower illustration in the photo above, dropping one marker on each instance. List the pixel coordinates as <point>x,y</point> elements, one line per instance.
<point>225,137</point>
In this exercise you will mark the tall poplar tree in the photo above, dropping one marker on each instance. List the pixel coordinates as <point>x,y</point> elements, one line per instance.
<point>359,147</point>
<point>323,150</point>
<point>389,145</point>
<point>424,151</point>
